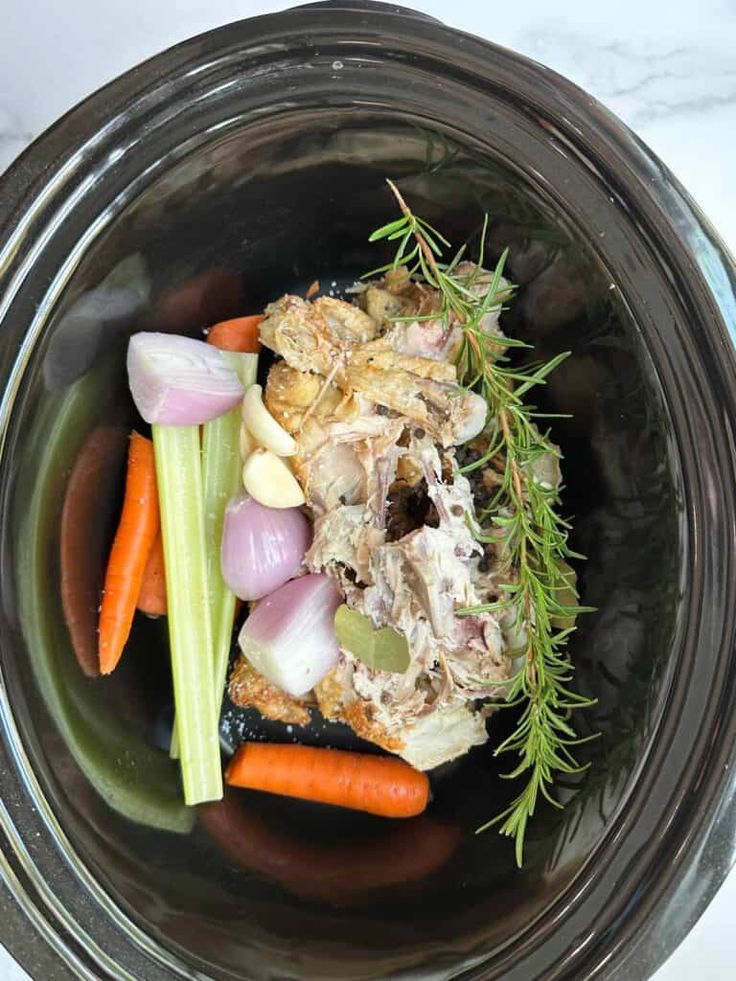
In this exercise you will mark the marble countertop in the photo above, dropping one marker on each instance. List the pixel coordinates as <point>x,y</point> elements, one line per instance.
<point>666,67</point>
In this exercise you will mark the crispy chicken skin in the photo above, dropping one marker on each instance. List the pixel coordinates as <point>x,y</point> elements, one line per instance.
<point>340,347</point>
<point>249,689</point>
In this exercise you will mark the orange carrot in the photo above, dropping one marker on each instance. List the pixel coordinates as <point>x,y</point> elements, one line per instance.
<point>381,785</point>
<point>139,523</point>
<point>152,597</point>
<point>239,335</point>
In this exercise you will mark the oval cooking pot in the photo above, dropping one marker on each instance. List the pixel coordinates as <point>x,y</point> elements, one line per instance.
<point>204,183</point>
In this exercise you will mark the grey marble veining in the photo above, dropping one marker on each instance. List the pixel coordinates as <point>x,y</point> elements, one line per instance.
<point>666,67</point>
<point>645,81</point>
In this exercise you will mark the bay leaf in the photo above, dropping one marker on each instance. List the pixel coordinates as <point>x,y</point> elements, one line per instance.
<point>383,650</point>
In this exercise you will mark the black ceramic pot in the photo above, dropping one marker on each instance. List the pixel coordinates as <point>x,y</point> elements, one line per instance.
<point>204,183</point>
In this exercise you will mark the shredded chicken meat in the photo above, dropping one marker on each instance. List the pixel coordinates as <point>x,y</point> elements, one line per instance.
<point>377,411</point>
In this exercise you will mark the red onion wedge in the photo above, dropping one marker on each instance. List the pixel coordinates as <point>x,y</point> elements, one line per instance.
<point>290,636</point>
<point>178,381</point>
<point>261,547</point>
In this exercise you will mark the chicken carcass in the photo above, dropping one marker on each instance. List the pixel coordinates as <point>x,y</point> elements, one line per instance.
<point>376,416</point>
<point>420,389</point>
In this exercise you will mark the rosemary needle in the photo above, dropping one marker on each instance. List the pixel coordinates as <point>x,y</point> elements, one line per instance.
<point>533,536</point>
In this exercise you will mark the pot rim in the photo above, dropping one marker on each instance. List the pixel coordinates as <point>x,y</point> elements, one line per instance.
<point>46,177</point>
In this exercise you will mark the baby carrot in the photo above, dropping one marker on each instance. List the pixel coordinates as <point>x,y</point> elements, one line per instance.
<point>139,523</point>
<point>382,785</point>
<point>152,597</point>
<point>240,334</point>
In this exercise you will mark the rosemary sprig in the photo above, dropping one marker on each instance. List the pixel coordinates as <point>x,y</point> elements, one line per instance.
<point>533,536</point>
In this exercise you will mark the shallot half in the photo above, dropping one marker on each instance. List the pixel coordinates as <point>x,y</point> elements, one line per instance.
<point>290,636</point>
<point>178,381</point>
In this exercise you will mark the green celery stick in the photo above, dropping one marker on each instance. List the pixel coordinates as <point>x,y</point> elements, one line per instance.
<point>222,468</point>
<point>179,476</point>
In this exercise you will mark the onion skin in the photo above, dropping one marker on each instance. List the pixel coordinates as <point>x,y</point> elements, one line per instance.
<point>262,548</point>
<point>290,636</point>
<point>179,381</point>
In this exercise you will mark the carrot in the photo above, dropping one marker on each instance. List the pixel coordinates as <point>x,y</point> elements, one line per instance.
<point>83,543</point>
<point>400,854</point>
<point>152,597</point>
<point>202,299</point>
<point>382,785</point>
<point>139,523</point>
<point>240,334</point>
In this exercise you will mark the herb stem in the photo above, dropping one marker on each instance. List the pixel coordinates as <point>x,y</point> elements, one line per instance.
<point>421,240</point>
<point>532,536</point>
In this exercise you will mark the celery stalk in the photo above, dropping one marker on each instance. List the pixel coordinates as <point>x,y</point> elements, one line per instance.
<point>179,476</point>
<point>222,468</point>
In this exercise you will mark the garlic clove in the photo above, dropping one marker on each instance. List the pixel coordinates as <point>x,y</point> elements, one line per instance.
<point>270,482</point>
<point>262,425</point>
<point>247,443</point>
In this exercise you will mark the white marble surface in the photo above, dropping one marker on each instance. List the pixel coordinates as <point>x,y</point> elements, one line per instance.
<point>667,67</point>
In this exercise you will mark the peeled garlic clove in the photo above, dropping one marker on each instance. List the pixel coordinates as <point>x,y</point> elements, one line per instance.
<point>247,443</point>
<point>268,479</point>
<point>262,425</point>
